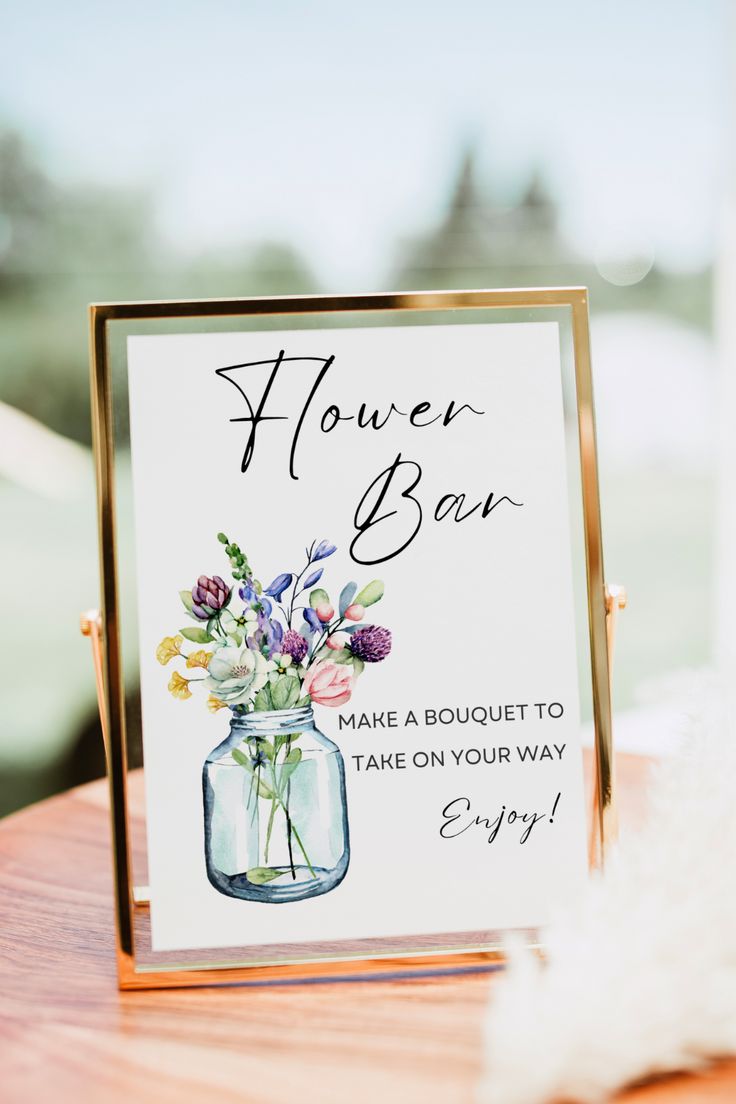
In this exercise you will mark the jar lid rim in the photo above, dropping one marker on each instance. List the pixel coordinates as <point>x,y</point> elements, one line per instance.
<point>298,713</point>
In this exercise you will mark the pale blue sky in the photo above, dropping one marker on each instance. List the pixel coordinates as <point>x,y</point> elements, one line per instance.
<point>337,126</point>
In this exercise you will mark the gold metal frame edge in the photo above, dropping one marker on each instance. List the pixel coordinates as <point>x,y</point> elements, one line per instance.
<point>576,298</point>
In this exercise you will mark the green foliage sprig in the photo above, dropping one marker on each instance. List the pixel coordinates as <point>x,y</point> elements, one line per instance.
<point>241,569</point>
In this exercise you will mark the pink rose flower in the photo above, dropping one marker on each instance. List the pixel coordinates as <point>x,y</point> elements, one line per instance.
<point>329,683</point>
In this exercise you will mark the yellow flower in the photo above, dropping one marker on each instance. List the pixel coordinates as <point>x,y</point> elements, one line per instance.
<point>199,659</point>
<point>213,704</point>
<point>179,687</point>
<point>168,648</point>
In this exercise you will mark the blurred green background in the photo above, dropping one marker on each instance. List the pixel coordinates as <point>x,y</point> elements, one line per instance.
<point>230,149</point>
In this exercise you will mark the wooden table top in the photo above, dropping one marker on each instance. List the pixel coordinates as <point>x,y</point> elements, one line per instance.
<point>67,1034</point>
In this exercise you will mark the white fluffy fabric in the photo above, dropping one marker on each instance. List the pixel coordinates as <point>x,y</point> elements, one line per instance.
<point>639,976</point>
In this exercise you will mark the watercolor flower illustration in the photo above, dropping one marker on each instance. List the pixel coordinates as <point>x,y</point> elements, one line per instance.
<point>279,646</point>
<point>237,673</point>
<point>278,649</point>
<point>328,683</point>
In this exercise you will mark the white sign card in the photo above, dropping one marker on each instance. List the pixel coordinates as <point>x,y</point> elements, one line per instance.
<point>358,651</point>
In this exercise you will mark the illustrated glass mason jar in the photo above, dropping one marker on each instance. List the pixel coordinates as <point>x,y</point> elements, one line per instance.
<point>276,825</point>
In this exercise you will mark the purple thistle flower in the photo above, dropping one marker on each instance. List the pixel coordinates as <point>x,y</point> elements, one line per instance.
<point>371,643</point>
<point>323,550</point>
<point>209,596</point>
<point>294,645</point>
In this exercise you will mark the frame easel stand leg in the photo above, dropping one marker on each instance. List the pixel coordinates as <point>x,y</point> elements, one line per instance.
<point>90,624</point>
<point>603,819</point>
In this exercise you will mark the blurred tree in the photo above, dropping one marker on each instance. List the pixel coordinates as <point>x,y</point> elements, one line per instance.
<point>480,242</point>
<point>477,234</point>
<point>268,268</point>
<point>48,233</point>
<point>61,248</point>
<point>25,203</point>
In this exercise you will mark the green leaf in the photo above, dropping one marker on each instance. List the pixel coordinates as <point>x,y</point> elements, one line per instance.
<point>370,594</point>
<point>285,692</point>
<point>242,760</point>
<point>264,790</point>
<point>289,765</point>
<point>306,700</point>
<point>318,597</point>
<point>263,701</point>
<point>343,655</point>
<point>295,688</point>
<point>278,692</point>
<point>197,636</point>
<point>346,597</point>
<point>267,748</point>
<point>259,875</point>
<point>187,600</point>
<point>284,738</point>
<point>228,622</point>
<point>222,538</point>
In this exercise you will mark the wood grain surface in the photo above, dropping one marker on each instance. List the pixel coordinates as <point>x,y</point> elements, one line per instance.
<point>68,1035</point>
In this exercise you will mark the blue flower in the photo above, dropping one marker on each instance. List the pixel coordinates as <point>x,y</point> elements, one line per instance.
<point>248,593</point>
<point>254,600</point>
<point>276,637</point>
<point>310,616</point>
<point>323,550</point>
<point>313,578</point>
<point>267,637</point>
<point>279,585</point>
<point>258,760</point>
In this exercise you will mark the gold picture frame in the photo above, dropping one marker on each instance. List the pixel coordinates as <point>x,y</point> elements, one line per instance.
<point>104,626</point>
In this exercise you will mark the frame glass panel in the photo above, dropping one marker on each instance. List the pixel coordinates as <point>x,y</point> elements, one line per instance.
<point>113,325</point>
